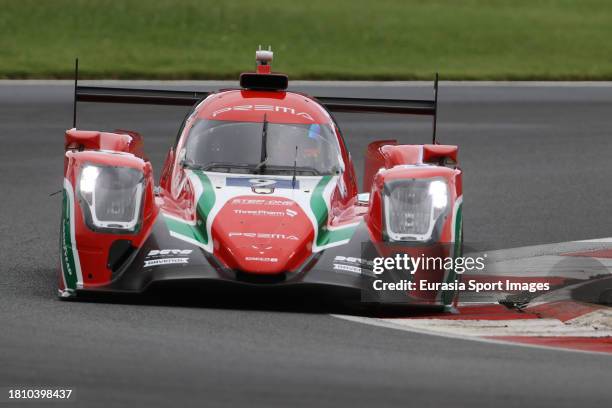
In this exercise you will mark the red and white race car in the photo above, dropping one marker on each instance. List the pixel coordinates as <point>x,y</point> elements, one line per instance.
<point>258,189</point>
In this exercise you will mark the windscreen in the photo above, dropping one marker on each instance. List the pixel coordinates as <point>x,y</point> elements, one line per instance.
<point>225,146</point>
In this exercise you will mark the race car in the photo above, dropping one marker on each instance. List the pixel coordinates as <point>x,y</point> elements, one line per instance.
<point>258,190</point>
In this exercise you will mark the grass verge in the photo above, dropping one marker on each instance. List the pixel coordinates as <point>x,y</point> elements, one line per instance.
<point>384,39</point>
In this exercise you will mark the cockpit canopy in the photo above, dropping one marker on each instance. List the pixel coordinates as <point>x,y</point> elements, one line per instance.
<point>236,147</point>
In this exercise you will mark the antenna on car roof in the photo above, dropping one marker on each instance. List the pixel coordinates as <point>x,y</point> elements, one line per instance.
<point>74,103</point>
<point>294,178</point>
<point>435,115</point>
<point>263,59</point>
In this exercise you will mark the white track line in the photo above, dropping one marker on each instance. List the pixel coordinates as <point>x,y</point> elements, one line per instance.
<point>395,326</point>
<point>458,329</point>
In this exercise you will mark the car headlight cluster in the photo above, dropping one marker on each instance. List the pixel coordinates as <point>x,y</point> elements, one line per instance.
<point>414,209</point>
<point>111,197</point>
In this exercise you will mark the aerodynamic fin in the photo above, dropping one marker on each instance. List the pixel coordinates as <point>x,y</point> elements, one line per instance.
<point>143,96</point>
<point>189,98</point>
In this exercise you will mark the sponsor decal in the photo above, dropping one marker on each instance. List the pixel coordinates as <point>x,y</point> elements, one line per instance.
<point>353,260</point>
<point>348,268</point>
<point>263,108</point>
<point>167,257</point>
<point>260,259</point>
<point>156,252</point>
<point>266,235</point>
<point>266,213</point>
<point>352,264</point>
<point>165,261</point>
<point>262,182</point>
<point>262,201</point>
<point>260,212</point>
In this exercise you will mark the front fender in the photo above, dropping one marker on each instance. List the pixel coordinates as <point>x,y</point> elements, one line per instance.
<point>89,257</point>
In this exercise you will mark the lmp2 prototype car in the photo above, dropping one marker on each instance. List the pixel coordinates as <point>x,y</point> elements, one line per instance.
<point>257,190</point>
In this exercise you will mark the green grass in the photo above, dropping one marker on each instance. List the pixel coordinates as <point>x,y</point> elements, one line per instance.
<point>314,39</point>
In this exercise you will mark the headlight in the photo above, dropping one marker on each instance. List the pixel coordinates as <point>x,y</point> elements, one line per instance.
<point>111,197</point>
<point>413,208</point>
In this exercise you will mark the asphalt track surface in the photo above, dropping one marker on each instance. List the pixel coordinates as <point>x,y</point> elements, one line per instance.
<point>537,170</point>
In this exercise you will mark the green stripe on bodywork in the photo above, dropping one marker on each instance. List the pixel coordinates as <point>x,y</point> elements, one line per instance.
<point>319,208</point>
<point>448,295</point>
<point>190,231</point>
<point>206,202</point>
<point>318,204</point>
<point>340,234</point>
<point>67,251</point>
